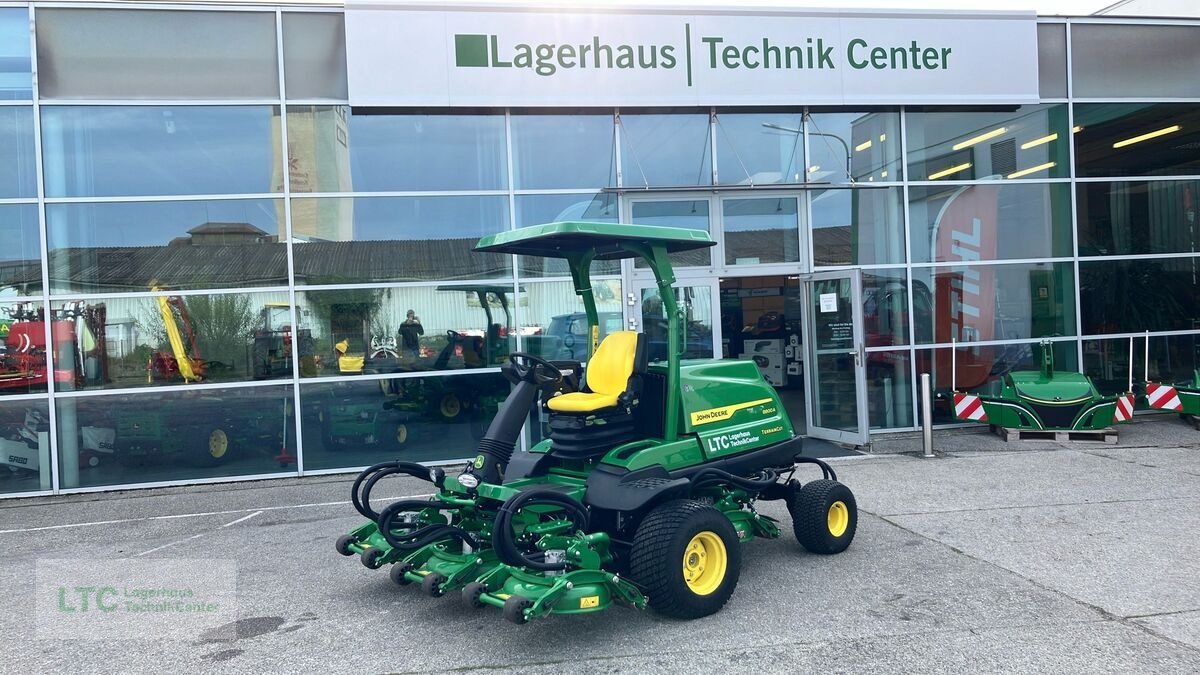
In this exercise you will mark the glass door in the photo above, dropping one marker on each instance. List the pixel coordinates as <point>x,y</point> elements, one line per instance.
<point>836,374</point>
<point>696,298</point>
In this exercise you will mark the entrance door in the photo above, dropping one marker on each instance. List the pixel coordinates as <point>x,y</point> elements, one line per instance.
<point>833,333</point>
<point>698,301</point>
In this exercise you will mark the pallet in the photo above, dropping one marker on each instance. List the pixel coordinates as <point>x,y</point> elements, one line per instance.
<point>1107,435</point>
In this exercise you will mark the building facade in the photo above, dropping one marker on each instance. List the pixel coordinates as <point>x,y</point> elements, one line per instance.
<point>223,259</point>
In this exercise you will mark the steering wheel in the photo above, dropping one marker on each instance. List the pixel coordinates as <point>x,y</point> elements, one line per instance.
<point>534,369</point>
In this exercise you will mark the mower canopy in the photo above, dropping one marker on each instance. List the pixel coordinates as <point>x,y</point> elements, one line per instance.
<point>608,241</point>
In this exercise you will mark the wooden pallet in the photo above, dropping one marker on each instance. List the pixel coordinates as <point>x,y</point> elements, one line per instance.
<point>1107,435</point>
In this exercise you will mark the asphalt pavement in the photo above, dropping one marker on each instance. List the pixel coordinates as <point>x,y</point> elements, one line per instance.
<point>1078,557</point>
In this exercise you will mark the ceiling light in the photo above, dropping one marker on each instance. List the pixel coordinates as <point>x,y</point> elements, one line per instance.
<point>980,138</point>
<point>1032,169</point>
<point>1076,129</point>
<point>1039,141</point>
<point>1145,137</point>
<point>863,146</point>
<point>946,172</point>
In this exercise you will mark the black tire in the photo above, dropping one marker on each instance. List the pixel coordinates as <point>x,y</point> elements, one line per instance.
<point>471,593</point>
<point>824,516</point>
<point>210,446</point>
<point>343,545</point>
<point>432,585</point>
<point>370,558</point>
<point>397,573</point>
<point>514,609</point>
<point>668,536</point>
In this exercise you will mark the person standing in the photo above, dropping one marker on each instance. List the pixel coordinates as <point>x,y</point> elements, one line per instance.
<point>411,331</point>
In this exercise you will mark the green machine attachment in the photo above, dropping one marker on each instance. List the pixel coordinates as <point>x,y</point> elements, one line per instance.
<point>1181,397</point>
<point>643,494</point>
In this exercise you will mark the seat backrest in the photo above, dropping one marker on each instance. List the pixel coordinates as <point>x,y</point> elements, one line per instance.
<point>609,369</point>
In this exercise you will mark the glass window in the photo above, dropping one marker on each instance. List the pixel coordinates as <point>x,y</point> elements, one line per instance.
<point>20,258</point>
<point>426,419</point>
<point>554,324</point>
<point>348,240</point>
<point>759,149</point>
<point>992,221</point>
<point>762,230</point>
<point>857,226</point>
<point>418,152</point>
<point>151,54</point>
<point>689,214</point>
<point>563,151</point>
<point>16,68</point>
<point>1137,139</point>
<point>106,151</point>
<point>18,177</point>
<point>169,339</point>
<point>1027,142</point>
<point>22,348</point>
<point>1131,296</point>
<point>889,389</point>
<point>885,307</point>
<point>538,209</point>
<point>665,149</point>
<point>1174,359</point>
<point>1133,61</point>
<point>370,331</point>
<point>1052,60</point>
<point>1138,217</point>
<point>853,147</point>
<point>981,369</point>
<point>314,55</point>
<point>980,303</point>
<point>24,446</point>
<point>174,436</point>
<point>135,246</point>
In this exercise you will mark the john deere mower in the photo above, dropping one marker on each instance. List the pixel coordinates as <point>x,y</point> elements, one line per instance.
<point>643,494</point>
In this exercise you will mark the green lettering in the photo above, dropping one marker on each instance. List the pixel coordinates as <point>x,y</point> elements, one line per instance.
<point>668,56</point>
<point>566,52</point>
<point>945,57</point>
<point>624,56</point>
<point>929,58</point>
<point>746,57</point>
<point>729,56</point>
<point>879,57</point>
<point>523,57</point>
<point>712,43</point>
<point>850,58</point>
<point>545,63</point>
<point>496,62</point>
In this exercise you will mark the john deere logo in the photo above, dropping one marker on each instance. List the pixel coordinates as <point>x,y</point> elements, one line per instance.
<point>478,461</point>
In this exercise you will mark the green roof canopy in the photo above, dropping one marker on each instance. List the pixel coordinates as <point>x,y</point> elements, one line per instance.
<point>560,240</point>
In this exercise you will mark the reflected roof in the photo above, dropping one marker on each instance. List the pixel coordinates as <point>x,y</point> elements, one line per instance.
<point>559,240</point>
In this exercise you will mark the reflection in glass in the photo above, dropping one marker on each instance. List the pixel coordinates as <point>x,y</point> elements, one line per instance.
<point>137,246</point>
<point>696,303</point>
<point>538,209</point>
<point>16,68</point>
<point>393,330</point>
<point>661,149</point>
<point>995,221</point>
<point>689,214</point>
<point>889,389</point>
<point>23,353</point>
<point>885,308</point>
<point>24,446</point>
<point>979,303</point>
<point>18,177</point>
<point>832,354</point>
<point>1052,60</point>
<point>96,151</point>
<point>761,230</point>
<point>346,240</point>
<point>1029,142</point>
<point>1137,139</point>
<point>1174,359</point>
<point>1111,60</point>
<point>175,436</point>
<point>1131,296</point>
<point>314,55</point>
<point>853,147</point>
<point>554,325</point>
<point>759,149</point>
<point>170,339</point>
<point>1138,217</point>
<point>421,419</point>
<point>857,226</point>
<point>563,151</point>
<point>20,261</point>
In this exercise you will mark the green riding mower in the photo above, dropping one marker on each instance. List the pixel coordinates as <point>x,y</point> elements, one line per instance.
<point>643,494</point>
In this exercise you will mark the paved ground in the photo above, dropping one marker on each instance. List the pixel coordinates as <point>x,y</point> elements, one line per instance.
<point>1071,559</point>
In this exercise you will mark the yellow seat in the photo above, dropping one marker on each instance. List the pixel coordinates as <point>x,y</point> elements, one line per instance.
<point>607,376</point>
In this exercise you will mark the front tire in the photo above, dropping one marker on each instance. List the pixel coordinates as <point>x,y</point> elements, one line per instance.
<point>687,557</point>
<point>824,516</point>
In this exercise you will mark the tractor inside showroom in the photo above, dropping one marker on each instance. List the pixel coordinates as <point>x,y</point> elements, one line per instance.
<point>643,495</point>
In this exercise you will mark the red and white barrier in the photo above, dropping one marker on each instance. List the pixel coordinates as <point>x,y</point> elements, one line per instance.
<point>1163,397</point>
<point>1124,409</point>
<point>969,407</point>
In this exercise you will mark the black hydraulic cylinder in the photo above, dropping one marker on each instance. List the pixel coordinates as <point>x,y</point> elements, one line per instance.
<point>496,448</point>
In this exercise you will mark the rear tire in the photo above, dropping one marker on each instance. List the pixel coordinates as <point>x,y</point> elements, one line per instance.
<point>824,516</point>
<point>687,557</point>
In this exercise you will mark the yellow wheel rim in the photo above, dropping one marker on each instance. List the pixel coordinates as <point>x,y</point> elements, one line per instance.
<point>450,406</point>
<point>838,518</point>
<point>704,563</point>
<point>401,434</point>
<point>218,444</point>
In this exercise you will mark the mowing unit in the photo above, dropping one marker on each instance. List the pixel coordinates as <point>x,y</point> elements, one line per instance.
<point>645,490</point>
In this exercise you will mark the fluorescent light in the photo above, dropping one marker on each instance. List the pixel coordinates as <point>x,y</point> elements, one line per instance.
<point>882,137</point>
<point>980,138</point>
<point>863,146</point>
<point>1076,129</point>
<point>1145,137</point>
<point>946,172</point>
<point>883,174</point>
<point>1039,141</point>
<point>814,168</point>
<point>1032,169</point>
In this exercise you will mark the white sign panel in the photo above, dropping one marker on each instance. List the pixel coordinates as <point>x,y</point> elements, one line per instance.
<point>828,303</point>
<point>529,57</point>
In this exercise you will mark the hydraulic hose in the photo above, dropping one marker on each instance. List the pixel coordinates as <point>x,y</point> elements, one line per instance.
<point>714,476</point>
<point>504,540</point>
<point>360,493</point>
<point>409,539</point>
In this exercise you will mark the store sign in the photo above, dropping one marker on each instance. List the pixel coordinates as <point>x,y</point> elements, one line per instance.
<point>531,57</point>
